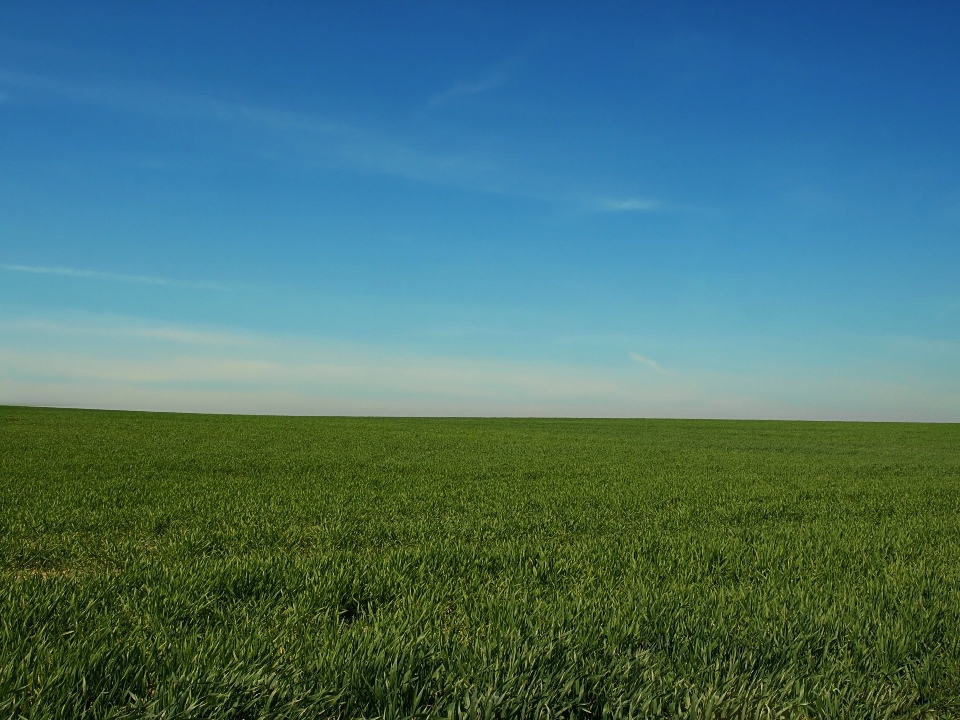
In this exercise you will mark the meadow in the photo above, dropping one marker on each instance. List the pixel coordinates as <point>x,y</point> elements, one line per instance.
<point>175,566</point>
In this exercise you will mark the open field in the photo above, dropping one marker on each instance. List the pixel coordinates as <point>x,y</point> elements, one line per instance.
<point>204,566</point>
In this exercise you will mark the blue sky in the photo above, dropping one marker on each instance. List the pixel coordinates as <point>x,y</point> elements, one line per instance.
<point>642,209</point>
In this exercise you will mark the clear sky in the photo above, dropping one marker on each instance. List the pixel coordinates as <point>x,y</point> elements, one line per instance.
<point>688,209</point>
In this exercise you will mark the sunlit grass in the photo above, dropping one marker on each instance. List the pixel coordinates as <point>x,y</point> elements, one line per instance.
<point>203,566</point>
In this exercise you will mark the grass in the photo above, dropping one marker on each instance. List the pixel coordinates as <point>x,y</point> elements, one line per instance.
<point>177,566</point>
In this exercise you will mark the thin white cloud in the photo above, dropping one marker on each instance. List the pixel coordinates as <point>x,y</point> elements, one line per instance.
<point>645,361</point>
<point>314,141</point>
<point>134,351</point>
<point>146,365</point>
<point>84,360</point>
<point>426,377</point>
<point>121,327</point>
<point>158,101</point>
<point>499,75</point>
<point>107,276</point>
<point>630,205</point>
<point>496,79</point>
<point>302,138</point>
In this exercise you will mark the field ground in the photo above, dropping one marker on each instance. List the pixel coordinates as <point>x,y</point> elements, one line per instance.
<point>200,566</point>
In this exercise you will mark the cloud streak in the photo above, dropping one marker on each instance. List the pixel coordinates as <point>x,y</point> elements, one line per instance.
<point>645,361</point>
<point>110,361</point>
<point>44,361</point>
<point>125,328</point>
<point>106,276</point>
<point>491,82</point>
<point>312,141</point>
<point>630,205</point>
<point>499,75</point>
<point>303,138</point>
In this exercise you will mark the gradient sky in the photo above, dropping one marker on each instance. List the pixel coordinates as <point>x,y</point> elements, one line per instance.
<point>687,209</point>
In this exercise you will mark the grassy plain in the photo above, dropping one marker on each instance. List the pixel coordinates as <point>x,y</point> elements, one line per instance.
<point>243,567</point>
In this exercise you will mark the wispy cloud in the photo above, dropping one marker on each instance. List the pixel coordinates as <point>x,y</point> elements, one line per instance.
<point>494,80</point>
<point>110,361</point>
<point>143,364</point>
<point>148,99</point>
<point>302,138</point>
<point>630,205</point>
<point>645,361</point>
<point>359,375</point>
<point>312,140</point>
<point>118,327</point>
<point>107,276</point>
<point>499,75</point>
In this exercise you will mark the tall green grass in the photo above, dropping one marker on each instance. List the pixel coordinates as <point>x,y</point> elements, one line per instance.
<point>259,567</point>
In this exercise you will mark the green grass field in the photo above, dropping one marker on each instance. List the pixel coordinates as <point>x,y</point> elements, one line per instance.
<point>179,566</point>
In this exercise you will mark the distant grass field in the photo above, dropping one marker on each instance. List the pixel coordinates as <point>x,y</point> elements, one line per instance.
<point>181,566</point>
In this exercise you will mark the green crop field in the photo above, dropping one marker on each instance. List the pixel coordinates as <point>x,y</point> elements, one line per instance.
<point>159,565</point>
